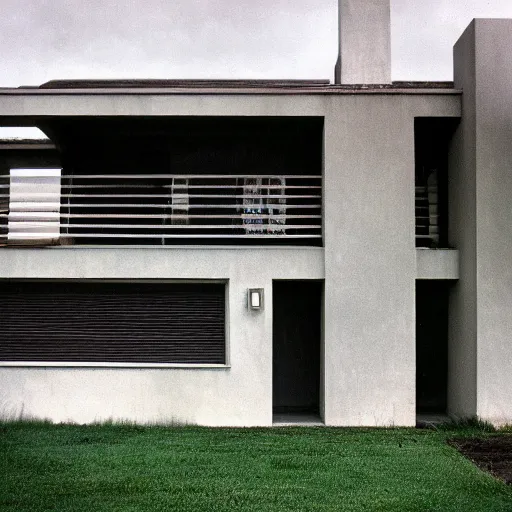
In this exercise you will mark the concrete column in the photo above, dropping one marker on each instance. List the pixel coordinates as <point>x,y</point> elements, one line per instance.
<point>480,367</point>
<point>364,42</point>
<point>462,334</point>
<point>370,263</point>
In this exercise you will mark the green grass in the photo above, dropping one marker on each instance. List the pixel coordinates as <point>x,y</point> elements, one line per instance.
<point>125,467</point>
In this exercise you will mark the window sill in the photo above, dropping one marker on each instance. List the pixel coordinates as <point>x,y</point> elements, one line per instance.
<point>52,364</point>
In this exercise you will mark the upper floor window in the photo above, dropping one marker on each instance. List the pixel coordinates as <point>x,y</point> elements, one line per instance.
<point>432,138</point>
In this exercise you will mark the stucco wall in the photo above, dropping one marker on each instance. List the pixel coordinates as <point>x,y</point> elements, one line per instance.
<point>462,338</point>
<point>493,41</point>
<point>437,264</point>
<point>370,259</point>
<point>483,163</point>
<point>369,264</point>
<point>240,394</point>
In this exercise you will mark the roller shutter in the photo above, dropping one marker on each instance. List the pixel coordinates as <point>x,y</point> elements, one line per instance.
<point>112,322</point>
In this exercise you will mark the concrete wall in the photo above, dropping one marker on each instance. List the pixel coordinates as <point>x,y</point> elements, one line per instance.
<point>370,264</point>
<point>494,209</point>
<point>482,229</point>
<point>369,260</point>
<point>240,394</point>
<point>462,333</point>
<point>437,264</point>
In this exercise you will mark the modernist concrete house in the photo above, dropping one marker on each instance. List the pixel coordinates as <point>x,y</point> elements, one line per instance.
<point>230,252</point>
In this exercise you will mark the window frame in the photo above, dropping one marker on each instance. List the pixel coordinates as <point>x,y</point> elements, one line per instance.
<point>134,365</point>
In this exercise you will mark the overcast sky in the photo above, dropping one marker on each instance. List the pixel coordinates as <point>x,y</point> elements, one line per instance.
<point>47,39</point>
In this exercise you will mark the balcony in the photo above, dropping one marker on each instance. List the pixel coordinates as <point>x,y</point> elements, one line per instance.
<point>45,208</point>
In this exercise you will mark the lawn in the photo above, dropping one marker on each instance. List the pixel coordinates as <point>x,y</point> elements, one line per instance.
<point>119,467</point>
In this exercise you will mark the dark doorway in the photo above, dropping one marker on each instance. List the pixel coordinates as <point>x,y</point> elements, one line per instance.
<point>296,346</point>
<point>431,346</point>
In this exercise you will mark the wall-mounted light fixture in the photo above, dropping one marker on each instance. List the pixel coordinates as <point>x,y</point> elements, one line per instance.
<point>255,298</point>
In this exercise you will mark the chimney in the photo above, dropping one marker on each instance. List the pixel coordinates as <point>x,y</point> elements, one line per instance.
<point>364,42</point>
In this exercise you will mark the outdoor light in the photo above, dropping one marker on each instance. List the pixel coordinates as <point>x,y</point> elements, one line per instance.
<point>255,298</point>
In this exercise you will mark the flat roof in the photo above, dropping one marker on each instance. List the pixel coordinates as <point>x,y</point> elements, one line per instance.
<point>234,86</point>
<point>228,84</point>
<point>178,83</point>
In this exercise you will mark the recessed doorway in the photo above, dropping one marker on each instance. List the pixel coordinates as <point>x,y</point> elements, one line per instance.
<point>432,299</point>
<point>297,307</point>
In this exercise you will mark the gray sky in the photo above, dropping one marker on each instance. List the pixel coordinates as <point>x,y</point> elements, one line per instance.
<point>45,39</point>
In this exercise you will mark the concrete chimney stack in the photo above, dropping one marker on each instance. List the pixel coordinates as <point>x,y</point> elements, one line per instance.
<point>364,42</point>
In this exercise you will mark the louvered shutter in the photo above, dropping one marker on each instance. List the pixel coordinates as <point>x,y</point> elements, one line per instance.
<point>112,322</point>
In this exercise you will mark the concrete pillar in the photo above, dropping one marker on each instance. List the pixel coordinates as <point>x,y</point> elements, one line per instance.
<point>480,182</point>
<point>370,263</point>
<point>364,42</point>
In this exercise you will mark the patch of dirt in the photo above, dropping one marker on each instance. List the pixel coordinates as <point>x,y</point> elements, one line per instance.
<point>492,454</point>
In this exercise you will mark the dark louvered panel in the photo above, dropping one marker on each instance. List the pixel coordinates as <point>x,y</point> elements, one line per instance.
<point>112,322</point>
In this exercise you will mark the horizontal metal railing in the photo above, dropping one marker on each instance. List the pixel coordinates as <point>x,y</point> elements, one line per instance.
<point>156,208</point>
<point>427,215</point>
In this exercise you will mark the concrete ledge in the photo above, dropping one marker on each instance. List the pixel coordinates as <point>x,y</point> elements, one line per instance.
<point>77,364</point>
<point>437,264</point>
<point>254,264</point>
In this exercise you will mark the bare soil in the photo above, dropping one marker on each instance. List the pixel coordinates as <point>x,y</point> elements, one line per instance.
<point>492,454</point>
